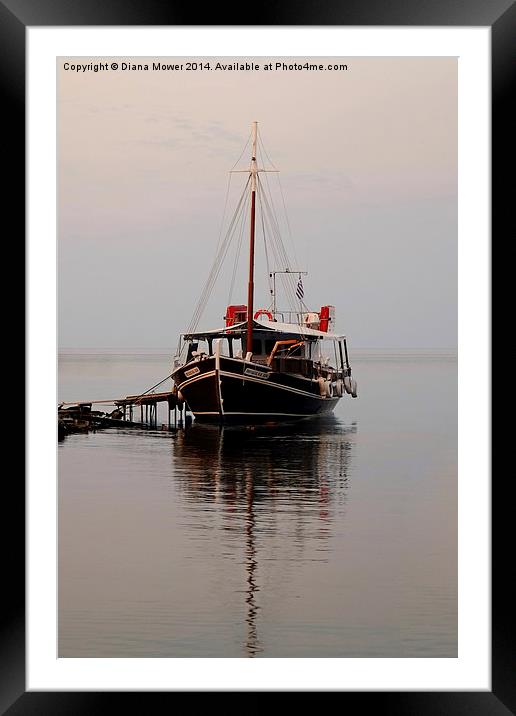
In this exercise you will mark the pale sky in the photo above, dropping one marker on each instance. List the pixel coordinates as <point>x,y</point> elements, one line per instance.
<point>368,162</point>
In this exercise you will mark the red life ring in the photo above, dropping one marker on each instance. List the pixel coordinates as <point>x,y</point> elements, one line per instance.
<point>263,312</point>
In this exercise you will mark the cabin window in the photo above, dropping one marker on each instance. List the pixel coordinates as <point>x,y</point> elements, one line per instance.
<point>257,346</point>
<point>226,347</point>
<point>316,351</point>
<point>196,348</point>
<point>191,348</point>
<point>261,346</point>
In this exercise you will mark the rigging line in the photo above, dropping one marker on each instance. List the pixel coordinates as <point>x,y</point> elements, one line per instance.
<point>268,230</point>
<point>259,192</point>
<point>267,262</point>
<point>289,229</point>
<point>219,252</point>
<point>289,291</point>
<point>260,141</point>
<point>282,261</point>
<point>269,200</point>
<point>281,248</point>
<point>181,349</point>
<point>274,228</point>
<point>279,255</point>
<point>243,150</point>
<point>287,220</point>
<point>288,280</point>
<point>226,238</point>
<point>243,214</point>
<point>222,257</point>
<point>208,287</point>
<point>223,214</point>
<point>229,229</point>
<point>283,253</point>
<point>277,258</point>
<point>272,202</point>
<point>266,218</point>
<point>227,192</point>
<point>154,386</point>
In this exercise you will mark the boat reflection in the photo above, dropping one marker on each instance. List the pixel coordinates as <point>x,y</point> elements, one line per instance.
<point>265,476</point>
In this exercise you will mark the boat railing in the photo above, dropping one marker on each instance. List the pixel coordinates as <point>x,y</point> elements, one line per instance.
<point>295,317</point>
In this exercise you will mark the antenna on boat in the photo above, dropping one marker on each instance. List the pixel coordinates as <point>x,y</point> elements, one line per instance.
<point>250,289</point>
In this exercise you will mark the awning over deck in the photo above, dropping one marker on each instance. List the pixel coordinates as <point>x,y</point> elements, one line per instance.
<point>285,329</point>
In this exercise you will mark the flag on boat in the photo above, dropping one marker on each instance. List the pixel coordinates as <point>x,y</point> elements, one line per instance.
<point>300,292</point>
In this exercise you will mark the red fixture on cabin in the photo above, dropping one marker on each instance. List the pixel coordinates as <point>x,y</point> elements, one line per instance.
<point>327,316</point>
<point>235,314</point>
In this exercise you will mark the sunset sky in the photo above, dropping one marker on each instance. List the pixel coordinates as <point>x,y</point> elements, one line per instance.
<point>368,162</point>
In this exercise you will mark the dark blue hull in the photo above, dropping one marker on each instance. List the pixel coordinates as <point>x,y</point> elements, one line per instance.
<point>230,390</point>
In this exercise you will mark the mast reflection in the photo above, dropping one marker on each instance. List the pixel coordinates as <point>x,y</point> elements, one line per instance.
<point>252,643</point>
<point>259,472</point>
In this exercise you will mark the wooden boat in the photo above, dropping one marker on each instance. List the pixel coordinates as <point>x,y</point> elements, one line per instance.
<point>264,364</point>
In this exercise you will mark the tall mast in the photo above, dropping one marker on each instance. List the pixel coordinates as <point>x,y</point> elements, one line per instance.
<point>250,290</point>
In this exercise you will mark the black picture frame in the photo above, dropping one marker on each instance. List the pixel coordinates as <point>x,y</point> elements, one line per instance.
<point>15,17</point>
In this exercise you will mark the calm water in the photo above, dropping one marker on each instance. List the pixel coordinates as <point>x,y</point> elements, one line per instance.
<point>327,538</point>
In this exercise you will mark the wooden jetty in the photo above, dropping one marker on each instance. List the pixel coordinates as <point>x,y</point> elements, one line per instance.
<point>78,416</point>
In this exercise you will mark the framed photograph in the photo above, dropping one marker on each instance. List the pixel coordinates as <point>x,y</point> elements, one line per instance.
<point>352,558</point>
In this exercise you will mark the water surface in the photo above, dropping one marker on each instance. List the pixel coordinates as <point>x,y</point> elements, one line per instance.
<point>331,537</point>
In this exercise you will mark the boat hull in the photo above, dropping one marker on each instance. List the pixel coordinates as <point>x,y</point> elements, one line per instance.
<point>229,390</point>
